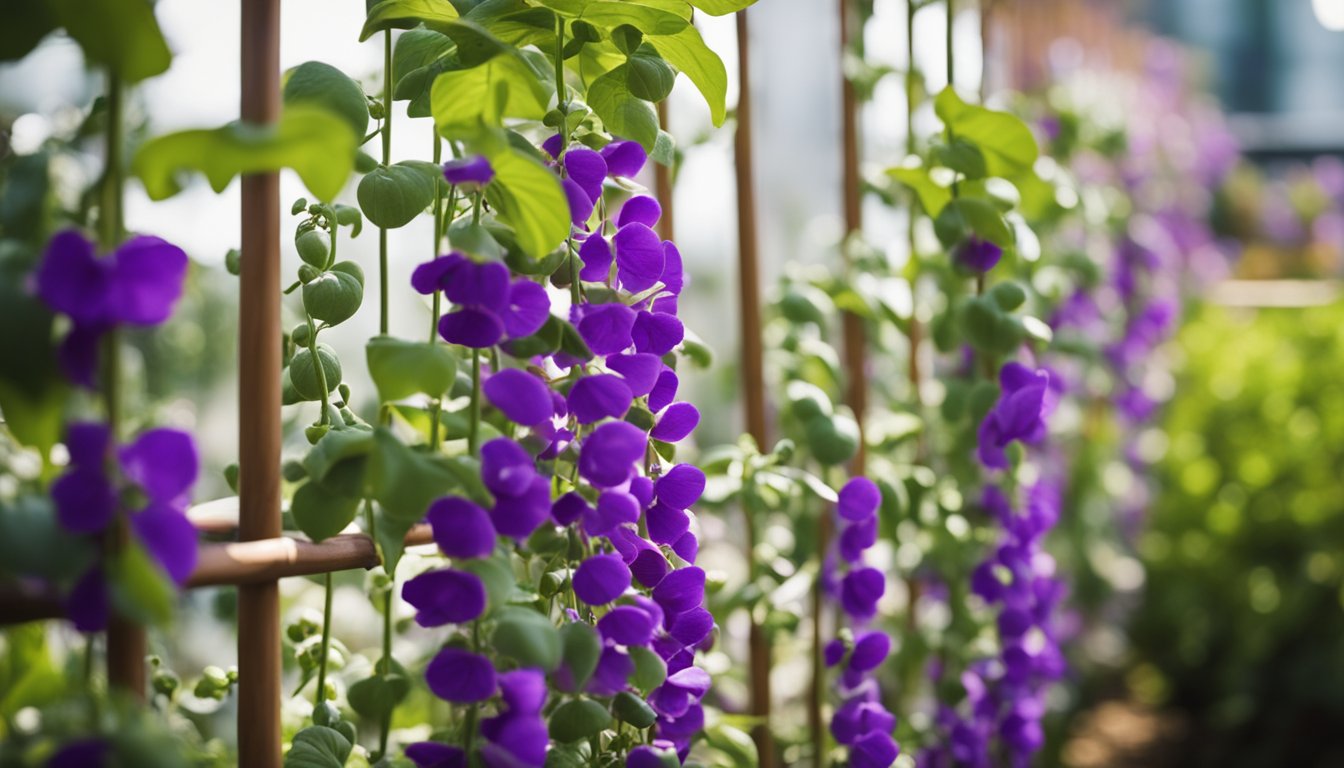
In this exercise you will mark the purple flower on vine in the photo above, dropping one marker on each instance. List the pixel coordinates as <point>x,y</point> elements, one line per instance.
<point>488,307</point>
<point>470,172</point>
<point>138,284</point>
<point>1024,403</point>
<point>976,256</point>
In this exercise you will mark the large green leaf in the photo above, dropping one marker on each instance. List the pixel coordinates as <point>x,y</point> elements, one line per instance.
<point>323,85</point>
<point>527,637</point>
<point>623,113</point>
<point>578,719</point>
<point>722,7</point>
<point>320,512</point>
<point>317,144</point>
<point>405,14</point>
<point>1006,142</point>
<point>402,368</point>
<point>528,197</point>
<point>582,648</point>
<point>374,697</point>
<point>494,81</point>
<point>318,746</point>
<point>404,481</point>
<point>121,35</point>
<point>336,446</point>
<point>972,215</point>
<point>686,50</point>
<point>647,18</point>
<point>932,196</point>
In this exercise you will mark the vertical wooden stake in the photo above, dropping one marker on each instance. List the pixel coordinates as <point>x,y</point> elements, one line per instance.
<point>753,371</point>
<point>856,385</point>
<point>662,183</point>
<point>259,398</point>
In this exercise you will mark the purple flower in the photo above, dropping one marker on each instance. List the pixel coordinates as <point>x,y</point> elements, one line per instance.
<point>93,752</point>
<point>460,676</point>
<point>639,257</point>
<point>601,579</point>
<point>860,590</point>
<point>859,499</point>
<point>675,423</point>
<point>597,397</point>
<point>606,328</point>
<point>445,597</point>
<point>471,172</point>
<point>608,456</point>
<point>975,255</point>
<point>522,397</point>
<point>626,625</point>
<point>640,370</point>
<point>640,209</point>
<point>681,590</point>
<point>431,754</point>
<point>489,308</point>
<point>624,158</point>
<point>138,284</point>
<point>596,256</point>
<point>680,487</point>
<point>1019,414</point>
<point>461,528</point>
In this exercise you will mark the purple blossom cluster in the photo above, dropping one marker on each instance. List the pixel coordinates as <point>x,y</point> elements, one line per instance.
<point>861,723</point>
<point>148,481</point>
<point>636,582</point>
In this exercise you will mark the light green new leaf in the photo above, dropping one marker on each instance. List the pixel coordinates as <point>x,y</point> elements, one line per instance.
<point>401,368</point>
<point>528,197</point>
<point>405,14</point>
<point>931,195</point>
<point>621,111</point>
<point>722,7</point>
<point>686,50</point>
<point>323,85</point>
<point>609,14</point>
<point>500,82</point>
<point>1006,142</point>
<point>122,35</point>
<point>317,144</point>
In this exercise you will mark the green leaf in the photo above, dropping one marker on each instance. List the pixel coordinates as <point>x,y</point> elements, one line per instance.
<point>495,573</point>
<point>578,719</point>
<point>318,746</point>
<point>1007,143</point>
<point>338,445</point>
<point>544,342</point>
<point>494,81</point>
<point>320,512</point>
<point>405,14</point>
<point>335,295</point>
<point>963,157</point>
<point>623,113</point>
<point>317,144</point>
<point>582,648</point>
<point>140,588</point>
<point>527,637</point>
<point>734,744</point>
<point>722,7</point>
<point>528,197</point>
<point>323,85</point>
<point>122,35</point>
<point>629,708</point>
<point>650,670</point>
<point>405,481</point>
<point>374,697</point>
<point>686,50</point>
<point>971,215</point>
<point>475,239</point>
<point>391,196</point>
<point>931,195</point>
<point>651,20</point>
<point>648,76</point>
<point>26,23</point>
<point>401,368</point>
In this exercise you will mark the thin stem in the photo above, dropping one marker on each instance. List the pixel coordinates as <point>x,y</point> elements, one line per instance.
<point>437,404</point>
<point>321,370</point>
<point>386,664</point>
<point>326,641</point>
<point>817,700</point>
<point>951,58</point>
<point>474,428</point>
<point>387,160</point>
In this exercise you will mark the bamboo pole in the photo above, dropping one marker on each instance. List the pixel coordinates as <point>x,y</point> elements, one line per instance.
<point>856,385</point>
<point>753,373</point>
<point>259,431</point>
<point>663,183</point>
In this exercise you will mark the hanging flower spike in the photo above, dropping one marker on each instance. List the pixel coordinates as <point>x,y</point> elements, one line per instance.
<point>138,284</point>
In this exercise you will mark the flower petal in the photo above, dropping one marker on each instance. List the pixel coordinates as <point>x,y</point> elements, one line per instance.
<point>597,397</point>
<point>468,170</point>
<point>460,676</point>
<point>675,423</point>
<point>146,280</point>
<point>640,371</point>
<point>169,537</point>
<point>163,462</point>
<point>859,499</point>
<point>681,486</point>
<point>471,327</point>
<point>519,516</point>
<point>445,596</point>
<point>596,256</point>
<point>521,396</point>
<point>664,391</point>
<point>626,625</point>
<point>528,309</point>
<point>657,333</point>
<point>85,500</point>
<point>681,590</point>
<point>478,285</point>
<point>607,328</point>
<point>609,454</point>
<point>640,209</point>
<point>624,158</point>
<point>461,528</point>
<point>587,168</point>
<point>72,280</point>
<point>601,579</point>
<point>639,257</point>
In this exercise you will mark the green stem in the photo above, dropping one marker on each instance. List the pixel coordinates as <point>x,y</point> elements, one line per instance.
<point>387,160</point>
<point>321,370</point>
<point>951,59</point>
<point>474,426</point>
<point>110,233</point>
<point>326,642</point>
<point>386,664</point>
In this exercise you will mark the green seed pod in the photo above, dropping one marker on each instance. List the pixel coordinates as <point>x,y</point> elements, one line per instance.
<point>231,476</point>
<point>808,402</point>
<point>298,206</point>
<point>1008,296</point>
<point>345,727</point>
<point>300,334</point>
<point>308,273</point>
<point>344,392</point>
<point>315,432</point>
<point>335,296</point>
<point>313,247</point>
<point>303,372</point>
<point>629,708</point>
<point>833,441</point>
<point>233,261</point>
<point>552,584</point>
<point>166,683</point>
<point>326,714</point>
